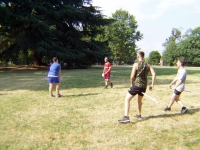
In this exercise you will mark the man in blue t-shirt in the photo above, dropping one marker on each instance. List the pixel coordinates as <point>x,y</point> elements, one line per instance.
<point>54,77</point>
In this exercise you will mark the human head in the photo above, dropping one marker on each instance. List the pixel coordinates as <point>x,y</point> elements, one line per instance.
<point>180,62</point>
<point>55,59</point>
<point>106,59</point>
<point>140,54</point>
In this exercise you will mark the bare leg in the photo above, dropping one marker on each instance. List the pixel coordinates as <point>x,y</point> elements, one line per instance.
<point>139,104</point>
<point>106,82</point>
<point>173,99</point>
<point>51,88</point>
<point>180,103</point>
<point>58,88</point>
<point>127,103</point>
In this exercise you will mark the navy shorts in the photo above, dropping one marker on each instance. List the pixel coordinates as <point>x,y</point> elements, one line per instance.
<point>136,90</point>
<point>177,92</point>
<point>53,80</point>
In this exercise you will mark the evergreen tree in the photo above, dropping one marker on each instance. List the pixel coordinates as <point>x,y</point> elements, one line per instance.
<point>66,29</point>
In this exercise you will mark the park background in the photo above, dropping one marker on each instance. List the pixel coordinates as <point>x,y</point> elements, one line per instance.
<point>87,115</point>
<point>81,35</point>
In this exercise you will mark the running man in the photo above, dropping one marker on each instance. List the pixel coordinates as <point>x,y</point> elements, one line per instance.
<point>54,77</point>
<point>179,86</point>
<point>107,72</point>
<point>138,80</point>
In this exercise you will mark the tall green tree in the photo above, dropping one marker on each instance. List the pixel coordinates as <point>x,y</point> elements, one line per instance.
<point>66,29</point>
<point>171,47</point>
<point>122,35</point>
<point>154,57</point>
<point>190,47</point>
<point>186,46</point>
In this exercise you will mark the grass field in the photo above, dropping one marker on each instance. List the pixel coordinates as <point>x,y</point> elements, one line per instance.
<point>86,118</point>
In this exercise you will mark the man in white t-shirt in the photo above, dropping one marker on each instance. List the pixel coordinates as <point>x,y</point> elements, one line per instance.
<point>179,86</point>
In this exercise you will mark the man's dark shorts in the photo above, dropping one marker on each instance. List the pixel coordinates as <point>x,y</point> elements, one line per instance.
<point>177,92</point>
<point>136,90</point>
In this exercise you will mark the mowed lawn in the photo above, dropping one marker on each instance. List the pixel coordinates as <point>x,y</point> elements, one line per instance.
<point>86,117</point>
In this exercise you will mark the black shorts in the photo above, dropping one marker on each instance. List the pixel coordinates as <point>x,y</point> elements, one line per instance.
<point>136,90</point>
<point>177,92</point>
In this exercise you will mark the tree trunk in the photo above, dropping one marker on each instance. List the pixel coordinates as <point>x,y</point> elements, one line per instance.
<point>120,61</point>
<point>26,54</point>
<point>37,61</point>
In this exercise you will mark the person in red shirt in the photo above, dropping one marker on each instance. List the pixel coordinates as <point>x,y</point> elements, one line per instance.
<point>107,72</point>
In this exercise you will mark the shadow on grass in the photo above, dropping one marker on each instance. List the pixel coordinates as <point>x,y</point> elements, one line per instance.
<point>84,94</point>
<point>190,111</point>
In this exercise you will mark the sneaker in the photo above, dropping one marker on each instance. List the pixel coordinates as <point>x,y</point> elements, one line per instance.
<point>167,109</point>
<point>125,119</point>
<point>111,85</point>
<point>139,117</point>
<point>106,87</point>
<point>184,110</point>
<point>59,95</point>
<point>52,96</point>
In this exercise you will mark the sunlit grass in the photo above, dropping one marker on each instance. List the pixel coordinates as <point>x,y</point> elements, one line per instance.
<point>86,117</point>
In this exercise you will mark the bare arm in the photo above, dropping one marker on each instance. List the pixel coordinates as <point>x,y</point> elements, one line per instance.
<point>133,72</point>
<point>153,73</point>
<point>175,79</point>
<point>59,74</point>
<point>178,83</point>
<point>108,70</point>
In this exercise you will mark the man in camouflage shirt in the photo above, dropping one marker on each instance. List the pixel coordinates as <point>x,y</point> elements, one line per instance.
<point>138,80</point>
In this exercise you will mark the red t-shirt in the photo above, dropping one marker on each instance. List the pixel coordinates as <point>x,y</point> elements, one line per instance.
<point>107,66</point>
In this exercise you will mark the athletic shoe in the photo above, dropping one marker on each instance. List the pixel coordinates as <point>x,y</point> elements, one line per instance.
<point>125,119</point>
<point>106,87</point>
<point>111,85</point>
<point>52,96</point>
<point>138,117</point>
<point>167,109</point>
<point>184,110</point>
<point>59,95</point>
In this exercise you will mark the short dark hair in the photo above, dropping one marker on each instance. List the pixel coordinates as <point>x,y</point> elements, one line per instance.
<point>182,61</point>
<point>141,53</point>
<point>55,59</point>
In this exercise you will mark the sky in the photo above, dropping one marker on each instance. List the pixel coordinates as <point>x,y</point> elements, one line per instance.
<point>156,18</point>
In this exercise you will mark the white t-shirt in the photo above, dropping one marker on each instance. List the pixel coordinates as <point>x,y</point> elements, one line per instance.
<point>181,75</point>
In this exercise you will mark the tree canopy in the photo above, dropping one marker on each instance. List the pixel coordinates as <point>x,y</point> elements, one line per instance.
<point>37,30</point>
<point>154,57</point>
<point>186,46</point>
<point>122,35</point>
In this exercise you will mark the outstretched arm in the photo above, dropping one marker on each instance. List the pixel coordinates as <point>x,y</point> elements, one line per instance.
<point>175,79</point>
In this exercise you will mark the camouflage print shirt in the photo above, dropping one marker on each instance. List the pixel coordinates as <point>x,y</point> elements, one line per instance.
<point>141,75</point>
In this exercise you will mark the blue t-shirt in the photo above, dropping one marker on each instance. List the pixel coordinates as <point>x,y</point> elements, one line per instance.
<point>54,68</point>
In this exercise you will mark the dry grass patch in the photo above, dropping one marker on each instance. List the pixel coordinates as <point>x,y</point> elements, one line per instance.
<point>86,117</point>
